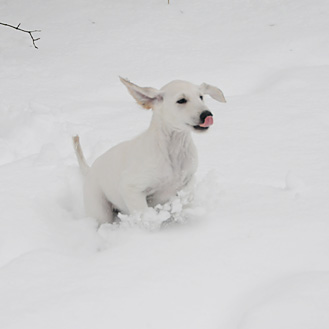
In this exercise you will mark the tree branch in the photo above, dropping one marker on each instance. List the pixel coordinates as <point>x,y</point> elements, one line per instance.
<point>26,31</point>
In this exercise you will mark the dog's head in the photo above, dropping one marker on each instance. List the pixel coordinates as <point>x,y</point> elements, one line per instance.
<point>179,104</point>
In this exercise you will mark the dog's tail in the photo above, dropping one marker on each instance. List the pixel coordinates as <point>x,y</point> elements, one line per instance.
<point>81,159</point>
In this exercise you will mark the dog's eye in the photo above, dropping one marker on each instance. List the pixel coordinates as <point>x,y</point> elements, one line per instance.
<point>201,97</point>
<point>182,101</point>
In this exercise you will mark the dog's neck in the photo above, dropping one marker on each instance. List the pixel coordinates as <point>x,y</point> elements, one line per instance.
<point>176,145</point>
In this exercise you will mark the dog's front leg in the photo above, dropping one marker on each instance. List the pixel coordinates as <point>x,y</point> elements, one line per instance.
<point>134,199</point>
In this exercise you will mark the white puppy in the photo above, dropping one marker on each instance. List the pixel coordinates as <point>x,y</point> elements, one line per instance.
<point>149,169</point>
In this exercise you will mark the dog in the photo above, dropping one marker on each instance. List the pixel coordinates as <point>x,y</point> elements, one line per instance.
<point>151,168</point>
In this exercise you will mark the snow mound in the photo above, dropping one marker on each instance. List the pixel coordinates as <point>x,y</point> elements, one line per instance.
<point>185,206</point>
<point>176,210</point>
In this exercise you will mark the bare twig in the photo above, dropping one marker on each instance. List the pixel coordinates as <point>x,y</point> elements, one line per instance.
<point>26,31</point>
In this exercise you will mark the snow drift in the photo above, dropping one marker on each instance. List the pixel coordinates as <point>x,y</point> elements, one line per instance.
<point>251,251</point>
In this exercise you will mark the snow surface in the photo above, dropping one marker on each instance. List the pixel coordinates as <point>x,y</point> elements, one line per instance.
<point>252,251</point>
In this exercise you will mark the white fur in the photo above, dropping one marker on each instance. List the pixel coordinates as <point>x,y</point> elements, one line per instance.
<point>149,169</point>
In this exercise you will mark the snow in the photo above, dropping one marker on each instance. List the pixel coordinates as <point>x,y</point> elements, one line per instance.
<point>251,251</point>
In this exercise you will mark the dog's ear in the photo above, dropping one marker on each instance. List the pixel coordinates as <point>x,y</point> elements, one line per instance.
<point>144,96</point>
<point>213,92</point>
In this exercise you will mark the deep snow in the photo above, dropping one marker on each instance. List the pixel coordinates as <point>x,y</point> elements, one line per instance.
<point>253,253</point>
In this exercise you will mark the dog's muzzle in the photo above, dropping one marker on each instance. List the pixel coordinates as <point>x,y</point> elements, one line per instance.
<point>206,119</point>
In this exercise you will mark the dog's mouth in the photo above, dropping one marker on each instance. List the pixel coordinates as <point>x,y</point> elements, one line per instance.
<point>200,128</point>
<point>208,121</point>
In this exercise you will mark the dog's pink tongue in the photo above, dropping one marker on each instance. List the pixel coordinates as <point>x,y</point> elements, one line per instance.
<point>207,122</point>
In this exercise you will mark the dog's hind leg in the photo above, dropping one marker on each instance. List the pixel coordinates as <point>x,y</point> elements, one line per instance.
<point>97,206</point>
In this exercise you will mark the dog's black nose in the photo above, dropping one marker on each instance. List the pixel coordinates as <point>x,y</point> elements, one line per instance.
<point>205,114</point>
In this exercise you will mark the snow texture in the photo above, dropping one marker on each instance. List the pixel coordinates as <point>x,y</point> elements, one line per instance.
<point>250,249</point>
